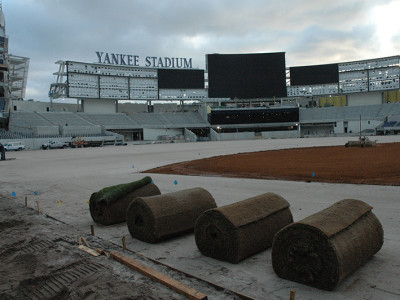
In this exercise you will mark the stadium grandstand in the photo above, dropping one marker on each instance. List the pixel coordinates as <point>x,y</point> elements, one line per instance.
<point>237,96</point>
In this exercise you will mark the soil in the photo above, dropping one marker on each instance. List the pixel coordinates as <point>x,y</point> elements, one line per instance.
<point>378,165</point>
<point>40,259</point>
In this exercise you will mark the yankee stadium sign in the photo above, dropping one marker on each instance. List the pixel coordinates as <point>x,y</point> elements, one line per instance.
<point>149,61</point>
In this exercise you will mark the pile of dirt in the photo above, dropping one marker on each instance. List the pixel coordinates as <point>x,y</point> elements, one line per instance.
<point>336,164</point>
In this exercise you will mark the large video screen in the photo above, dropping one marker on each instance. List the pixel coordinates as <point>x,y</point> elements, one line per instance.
<point>246,76</point>
<point>180,79</point>
<point>310,75</point>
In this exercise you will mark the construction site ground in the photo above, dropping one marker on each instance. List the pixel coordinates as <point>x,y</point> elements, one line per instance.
<point>39,251</point>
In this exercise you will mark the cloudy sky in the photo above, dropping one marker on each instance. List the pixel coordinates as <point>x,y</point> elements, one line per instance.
<point>309,31</point>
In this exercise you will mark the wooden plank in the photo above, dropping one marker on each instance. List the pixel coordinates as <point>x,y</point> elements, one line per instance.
<point>89,250</point>
<point>168,281</point>
<point>218,287</point>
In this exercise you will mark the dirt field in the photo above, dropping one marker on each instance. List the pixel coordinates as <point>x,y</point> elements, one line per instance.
<point>338,164</point>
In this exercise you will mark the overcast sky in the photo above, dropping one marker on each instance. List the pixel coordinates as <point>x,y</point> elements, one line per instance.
<point>310,32</point>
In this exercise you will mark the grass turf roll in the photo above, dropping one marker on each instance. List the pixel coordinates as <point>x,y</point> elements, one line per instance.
<point>108,206</point>
<point>156,218</point>
<point>322,249</point>
<point>236,231</point>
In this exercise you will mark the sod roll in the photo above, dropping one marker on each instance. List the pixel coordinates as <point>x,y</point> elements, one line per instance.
<point>156,218</point>
<point>236,231</point>
<point>108,206</point>
<point>322,249</point>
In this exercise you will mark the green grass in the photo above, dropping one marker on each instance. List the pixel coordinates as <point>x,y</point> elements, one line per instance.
<point>113,193</point>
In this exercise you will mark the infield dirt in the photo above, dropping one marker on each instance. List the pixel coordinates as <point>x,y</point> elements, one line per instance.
<point>337,164</point>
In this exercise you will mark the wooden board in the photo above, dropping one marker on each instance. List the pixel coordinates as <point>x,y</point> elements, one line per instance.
<point>172,283</point>
<point>89,250</point>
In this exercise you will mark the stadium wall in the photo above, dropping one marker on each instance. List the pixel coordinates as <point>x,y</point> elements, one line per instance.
<point>354,126</point>
<point>316,129</point>
<point>59,130</point>
<point>143,108</point>
<point>365,99</point>
<point>30,106</point>
<point>190,136</point>
<point>132,108</point>
<point>99,106</point>
<point>151,134</point>
<point>81,130</point>
<point>167,107</point>
<point>215,136</point>
<point>339,128</point>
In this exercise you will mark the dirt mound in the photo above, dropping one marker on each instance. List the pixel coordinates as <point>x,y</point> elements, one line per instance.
<point>336,164</point>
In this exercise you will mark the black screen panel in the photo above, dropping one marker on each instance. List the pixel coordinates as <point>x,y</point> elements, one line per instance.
<point>246,76</point>
<point>254,116</point>
<point>180,79</point>
<point>310,75</point>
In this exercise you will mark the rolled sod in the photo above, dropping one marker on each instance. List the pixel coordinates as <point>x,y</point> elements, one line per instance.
<point>109,205</point>
<point>156,218</point>
<point>234,232</point>
<point>322,249</point>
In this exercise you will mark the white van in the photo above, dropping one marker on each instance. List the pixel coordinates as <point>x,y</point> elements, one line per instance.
<point>14,146</point>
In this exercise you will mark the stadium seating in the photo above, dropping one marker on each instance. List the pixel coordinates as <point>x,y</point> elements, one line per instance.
<point>147,119</point>
<point>170,120</point>
<point>389,124</point>
<point>326,114</point>
<point>64,118</point>
<point>22,119</point>
<point>55,124</point>
<point>108,119</point>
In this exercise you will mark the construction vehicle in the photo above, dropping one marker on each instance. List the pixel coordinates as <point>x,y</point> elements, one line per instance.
<point>362,142</point>
<point>78,143</point>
